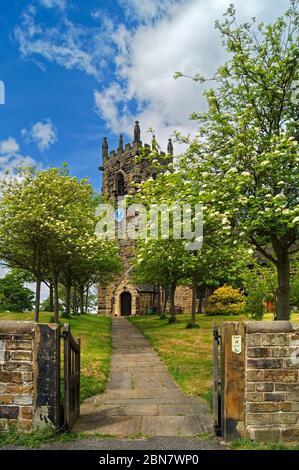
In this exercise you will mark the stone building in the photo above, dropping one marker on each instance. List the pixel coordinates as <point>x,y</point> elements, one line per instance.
<point>120,172</point>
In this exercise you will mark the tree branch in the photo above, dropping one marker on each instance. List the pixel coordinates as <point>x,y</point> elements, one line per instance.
<point>264,252</point>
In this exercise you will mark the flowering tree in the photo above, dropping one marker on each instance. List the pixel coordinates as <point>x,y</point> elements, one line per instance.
<point>163,262</point>
<point>96,262</point>
<point>245,160</point>
<point>47,224</point>
<point>167,261</point>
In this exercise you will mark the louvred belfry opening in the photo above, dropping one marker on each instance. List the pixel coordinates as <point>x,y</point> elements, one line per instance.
<point>120,185</point>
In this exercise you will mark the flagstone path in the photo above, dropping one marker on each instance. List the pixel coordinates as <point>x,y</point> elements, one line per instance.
<point>141,398</point>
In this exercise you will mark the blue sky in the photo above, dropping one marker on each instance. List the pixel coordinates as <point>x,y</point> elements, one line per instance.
<point>76,71</point>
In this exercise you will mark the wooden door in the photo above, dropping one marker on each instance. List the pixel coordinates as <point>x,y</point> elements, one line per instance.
<point>125,304</point>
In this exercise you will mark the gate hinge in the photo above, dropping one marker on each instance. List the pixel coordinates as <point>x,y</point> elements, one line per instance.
<point>217,336</point>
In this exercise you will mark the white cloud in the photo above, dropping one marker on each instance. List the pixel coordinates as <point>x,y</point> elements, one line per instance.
<point>183,40</point>
<point>11,159</point>
<point>149,10</point>
<point>9,164</point>
<point>165,36</point>
<point>9,146</point>
<point>53,3</point>
<point>44,134</point>
<point>107,105</point>
<point>70,45</point>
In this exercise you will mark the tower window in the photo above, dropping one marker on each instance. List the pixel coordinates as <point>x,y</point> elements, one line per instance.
<point>120,185</point>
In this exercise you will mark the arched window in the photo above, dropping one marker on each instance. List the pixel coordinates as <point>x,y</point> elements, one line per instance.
<point>120,185</point>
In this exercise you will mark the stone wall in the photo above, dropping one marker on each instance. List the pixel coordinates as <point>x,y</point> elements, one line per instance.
<point>29,375</point>
<point>260,380</point>
<point>271,381</point>
<point>145,301</point>
<point>183,298</point>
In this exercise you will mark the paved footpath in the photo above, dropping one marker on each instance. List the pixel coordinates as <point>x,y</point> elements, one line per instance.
<point>141,398</point>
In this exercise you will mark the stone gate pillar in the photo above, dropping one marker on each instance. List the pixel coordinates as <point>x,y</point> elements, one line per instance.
<point>29,375</point>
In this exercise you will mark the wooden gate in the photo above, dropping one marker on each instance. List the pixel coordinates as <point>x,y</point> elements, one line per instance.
<point>217,381</point>
<point>71,378</point>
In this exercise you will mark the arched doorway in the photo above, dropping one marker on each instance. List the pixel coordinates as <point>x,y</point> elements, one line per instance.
<point>125,304</point>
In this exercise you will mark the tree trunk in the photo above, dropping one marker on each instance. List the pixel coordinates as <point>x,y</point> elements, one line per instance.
<point>153,299</point>
<point>86,299</point>
<point>283,290</point>
<point>159,300</point>
<point>37,299</point>
<point>193,307</point>
<point>201,292</point>
<point>56,299</point>
<point>51,297</point>
<point>67,301</point>
<point>164,301</point>
<point>81,296</point>
<point>172,305</point>
<point>75,303</point>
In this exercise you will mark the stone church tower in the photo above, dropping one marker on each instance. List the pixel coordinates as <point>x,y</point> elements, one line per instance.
<point>120,173</point>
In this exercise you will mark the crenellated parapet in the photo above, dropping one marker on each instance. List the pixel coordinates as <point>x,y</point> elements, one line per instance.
<point>133,148</point>
<point>120,164</point>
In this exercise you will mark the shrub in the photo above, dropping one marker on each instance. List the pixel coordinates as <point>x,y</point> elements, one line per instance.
<point>190,325</point>
<point>225,301</point>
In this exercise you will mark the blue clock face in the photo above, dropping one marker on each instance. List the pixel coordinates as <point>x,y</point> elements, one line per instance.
<point>119,215</point>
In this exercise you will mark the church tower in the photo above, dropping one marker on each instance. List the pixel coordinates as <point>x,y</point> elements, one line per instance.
<point>120,172</point>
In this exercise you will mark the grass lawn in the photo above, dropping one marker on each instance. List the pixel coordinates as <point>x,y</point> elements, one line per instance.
<point>187,353</point>
<point>245,444</point>
<point>94,332</point>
